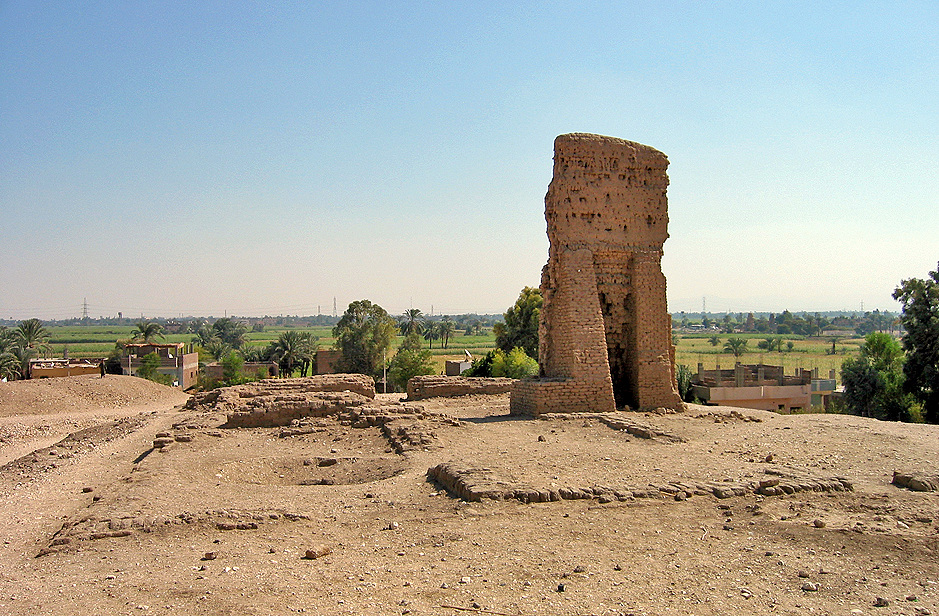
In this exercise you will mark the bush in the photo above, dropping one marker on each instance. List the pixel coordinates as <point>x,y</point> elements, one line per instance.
<point>408,363</point>
<point>232,369</point>
<point>683,377</point>
<point>516,364</point>
<point>149,370</point>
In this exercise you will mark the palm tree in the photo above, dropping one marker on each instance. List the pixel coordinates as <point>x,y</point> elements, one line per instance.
<point>735,345</point>
<point>293,349</point>
<point>9,366</point>
<point>204,336</point>
<point>148,330</point>
<point>431,332</point>
<point>714,340</point>
<point>218,349</point>
<point>411,321</point>
<point>447,328</point>
<point>230,331</point>
<point>32,334</point>
<point>308,344</point>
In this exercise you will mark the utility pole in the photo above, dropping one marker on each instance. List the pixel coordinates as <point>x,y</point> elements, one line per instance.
<point>85,309</point>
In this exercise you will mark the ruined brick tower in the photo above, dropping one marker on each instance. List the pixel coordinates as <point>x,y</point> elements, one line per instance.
<point>605,334</point>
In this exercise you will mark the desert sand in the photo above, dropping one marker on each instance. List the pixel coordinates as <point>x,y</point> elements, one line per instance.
<point>334,520</point>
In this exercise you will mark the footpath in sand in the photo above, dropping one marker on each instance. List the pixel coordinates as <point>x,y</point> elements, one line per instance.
<point>373,510</point>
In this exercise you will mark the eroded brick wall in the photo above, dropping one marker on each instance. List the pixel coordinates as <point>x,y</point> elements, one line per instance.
<point>605,327</point>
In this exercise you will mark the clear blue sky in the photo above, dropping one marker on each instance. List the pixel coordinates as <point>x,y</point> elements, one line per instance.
<point>166,158</point>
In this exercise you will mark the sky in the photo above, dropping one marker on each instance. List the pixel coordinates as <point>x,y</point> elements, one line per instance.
<point>251,158</point>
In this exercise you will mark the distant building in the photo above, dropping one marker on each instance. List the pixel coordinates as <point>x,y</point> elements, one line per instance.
<point>326,361</point>
<point>456,368</point>
<point>174,361</point>
<point>50,368</point>
<point>760,386</point>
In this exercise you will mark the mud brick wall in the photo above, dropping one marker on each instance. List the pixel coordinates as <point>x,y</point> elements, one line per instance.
<point>422,387</point>
<point>605,329</point>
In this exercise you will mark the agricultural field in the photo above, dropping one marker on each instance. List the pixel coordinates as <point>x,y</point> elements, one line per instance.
<point>98,341</point>
<point>809,353</point>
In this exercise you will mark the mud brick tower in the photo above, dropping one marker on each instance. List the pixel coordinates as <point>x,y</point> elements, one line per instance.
<point>605,333</point>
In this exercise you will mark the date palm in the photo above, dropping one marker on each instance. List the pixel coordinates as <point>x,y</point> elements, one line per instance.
<point>431,332</point>
<point>411,321</point>
<point>218,349</point>
<point>9,366</point>
<point>447,329</point>
<point>32,334</point>
<point>148,330</point>
<point>736,346</point>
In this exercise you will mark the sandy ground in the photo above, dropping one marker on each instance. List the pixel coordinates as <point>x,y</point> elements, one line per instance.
<point>221,523</point>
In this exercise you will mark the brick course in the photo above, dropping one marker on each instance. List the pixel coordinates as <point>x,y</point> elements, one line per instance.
<point>605,332</point>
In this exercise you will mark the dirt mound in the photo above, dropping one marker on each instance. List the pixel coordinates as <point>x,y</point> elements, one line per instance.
<point>82,393</point>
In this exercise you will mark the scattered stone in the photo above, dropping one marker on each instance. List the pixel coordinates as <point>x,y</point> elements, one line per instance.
<point>465,579</point>
<point>818,523</point>
<point>881,602</point>
<point>918,482</point>
<point>803,573</point>
<point>317,552</point>
<point>561,588</point>
<point>768,458</point>
<point>87,489</point>
<point>541,438</point>
<point>810,586</point>
<point>210,556</point>
<point>579,569</point>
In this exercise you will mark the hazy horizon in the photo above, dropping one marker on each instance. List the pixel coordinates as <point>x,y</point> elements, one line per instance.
<point>265,159</point>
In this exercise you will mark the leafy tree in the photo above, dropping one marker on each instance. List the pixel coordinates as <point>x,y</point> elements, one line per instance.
<point>148,330</point>
<point>482,366</point>
<point>410,361</point>
<point>873,381</point>
<point>920,319</point>
<point>736,346</point>
<point>520,325</point>
<point>363,335</point>
<point>516,364</point>
<point>148,369</point>
<point>233,369</point>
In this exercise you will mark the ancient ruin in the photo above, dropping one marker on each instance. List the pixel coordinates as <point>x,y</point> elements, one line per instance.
<point>605,333</point>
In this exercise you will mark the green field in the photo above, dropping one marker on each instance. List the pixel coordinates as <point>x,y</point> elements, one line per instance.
<point>809,353</point>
